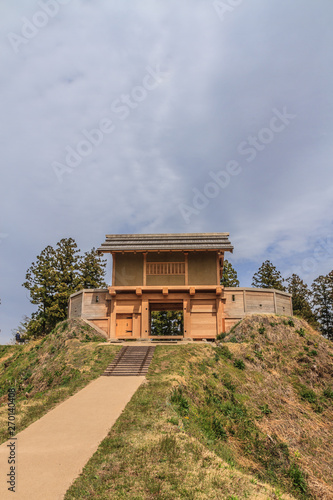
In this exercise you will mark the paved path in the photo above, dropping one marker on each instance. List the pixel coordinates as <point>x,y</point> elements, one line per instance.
<point>52,451</point>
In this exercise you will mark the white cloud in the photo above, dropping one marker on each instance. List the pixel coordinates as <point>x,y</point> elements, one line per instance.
<point>221,82</point>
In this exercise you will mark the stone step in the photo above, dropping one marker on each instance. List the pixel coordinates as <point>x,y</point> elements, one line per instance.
<point>131,361</point>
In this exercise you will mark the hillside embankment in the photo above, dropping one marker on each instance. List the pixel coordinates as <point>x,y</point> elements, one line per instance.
<point>250,417</point>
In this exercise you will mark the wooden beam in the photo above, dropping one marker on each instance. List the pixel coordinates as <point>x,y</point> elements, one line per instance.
<point>138,292</point>
<point>165,291</point>
<point>192,290</point>
<point>218,290</point>
<point>112,291</point>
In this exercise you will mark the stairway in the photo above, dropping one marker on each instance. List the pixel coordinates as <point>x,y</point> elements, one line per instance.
<point>130,361</point>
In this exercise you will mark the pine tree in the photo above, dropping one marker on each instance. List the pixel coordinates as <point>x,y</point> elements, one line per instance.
<point>57,274</point>
<point>322,299</point>
<point>301,297</point>
<point>93,270</point>
<point>67,266</point>
<point>229,275</point>
<point>41,282</point>
<point>268,276</point>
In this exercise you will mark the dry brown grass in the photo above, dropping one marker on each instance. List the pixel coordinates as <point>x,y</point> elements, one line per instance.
<point>305,427</point>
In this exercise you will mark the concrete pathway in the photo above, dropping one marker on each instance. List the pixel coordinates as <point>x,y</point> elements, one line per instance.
<point>52,451</point>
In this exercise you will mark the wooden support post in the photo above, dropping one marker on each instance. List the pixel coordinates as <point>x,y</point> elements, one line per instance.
<point>187,317</point>
<point>112,327</point>
<point>219,316</point>
<point>244,300</point>
<point>113,269</point>
<point>82,305</point>
<point>217,268</point>
<point>145,330</point>
<point>186,268</point>
<point>145,269</point>
<point>221,265</point>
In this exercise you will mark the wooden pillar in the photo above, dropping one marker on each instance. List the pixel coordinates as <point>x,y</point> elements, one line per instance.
<point>187,317</point>
<point>112,323</point>
<point>219,316</point>
<point>113,269</point>
<point>145,330</point>
<point>217,268</point>
<point>244,300</point>
<point>145,269</point>
<point>186,268</point>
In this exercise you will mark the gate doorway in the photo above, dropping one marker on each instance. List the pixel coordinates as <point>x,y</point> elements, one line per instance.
<point>166,320</point>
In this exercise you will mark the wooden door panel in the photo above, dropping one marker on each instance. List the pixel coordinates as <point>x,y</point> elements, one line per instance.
<point>124,325</point>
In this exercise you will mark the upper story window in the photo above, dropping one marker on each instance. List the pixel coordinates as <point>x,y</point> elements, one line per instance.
<point>163,268</point>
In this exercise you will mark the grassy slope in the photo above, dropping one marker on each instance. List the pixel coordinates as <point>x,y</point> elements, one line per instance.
<point>217,422</point>
<point>46,372</point>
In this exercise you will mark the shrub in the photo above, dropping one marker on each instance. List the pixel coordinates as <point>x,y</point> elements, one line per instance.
<point>308,395</point>
<point>179,401</point>
<point>221,336</point>
<point>265,409</point>
<point>313,352</point>
<point>218,429</point>
<point>301,332</point>
<point>291,323</point>
<point>328,393</point>
<point>239,363</point>
<point>222,351</point>
<point>297,477</point>
<point>228,384</point>
<point>261,329</point>
<point>233,340</point>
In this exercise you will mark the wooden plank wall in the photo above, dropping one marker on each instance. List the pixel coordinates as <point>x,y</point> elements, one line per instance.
<point>93,309</point>
<point>242,301</point>
<point>75,310</point>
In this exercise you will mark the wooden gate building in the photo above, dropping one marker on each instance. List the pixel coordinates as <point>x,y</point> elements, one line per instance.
<point>170,272</point>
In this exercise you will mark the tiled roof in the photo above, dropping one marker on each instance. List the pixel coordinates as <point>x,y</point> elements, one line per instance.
<point>145,242</point>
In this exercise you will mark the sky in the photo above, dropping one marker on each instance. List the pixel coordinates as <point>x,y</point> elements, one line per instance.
<point>165,117</point>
